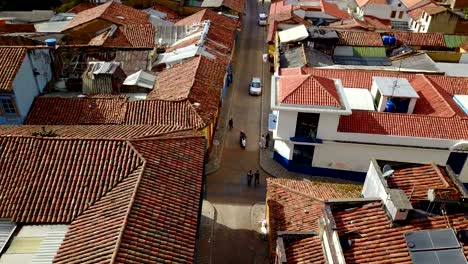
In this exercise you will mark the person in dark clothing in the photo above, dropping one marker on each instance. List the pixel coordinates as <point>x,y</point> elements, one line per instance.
<point>267,140</point>
<point>249,177</point>
<point>231,123</point>
<point>257,178</point>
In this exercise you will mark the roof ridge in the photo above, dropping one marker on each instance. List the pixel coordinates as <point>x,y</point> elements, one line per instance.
<point>439,93</point>
<point>297,192</point>
<point>320,80</point>
<point>62,138</point>
<point>130,205</point>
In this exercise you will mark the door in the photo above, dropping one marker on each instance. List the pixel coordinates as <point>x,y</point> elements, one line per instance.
<point>303,155</point>
<point>456,161</point>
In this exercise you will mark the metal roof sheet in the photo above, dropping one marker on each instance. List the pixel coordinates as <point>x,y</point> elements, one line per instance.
<point>369,51</point>
<point>6,230</point>
<point>293,34</point>
<point>141,78</point>
<point>455,41</point>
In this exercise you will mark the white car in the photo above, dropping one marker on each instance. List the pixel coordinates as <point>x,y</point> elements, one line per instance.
<point>262,19</point>
<point>255,87</point>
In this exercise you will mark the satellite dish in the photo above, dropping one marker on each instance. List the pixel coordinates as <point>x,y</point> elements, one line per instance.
<point>386,168</point>
<point>388,173</point>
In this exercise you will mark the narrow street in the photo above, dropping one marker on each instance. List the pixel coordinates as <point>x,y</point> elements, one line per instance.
<point>235,239</point>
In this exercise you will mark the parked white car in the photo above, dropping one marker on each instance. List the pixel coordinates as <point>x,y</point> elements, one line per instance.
<point>262,19</point>
<point>255,86</point>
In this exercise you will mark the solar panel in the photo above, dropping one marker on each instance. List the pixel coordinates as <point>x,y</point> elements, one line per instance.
<point>432,239</point>
<point>435,247</point>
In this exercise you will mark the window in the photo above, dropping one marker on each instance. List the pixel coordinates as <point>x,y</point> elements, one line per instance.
<point>307,124</point>
<point>427,17</point>
<point>8,108</point>
<point>377,99</point>
<point>400,15</point>
<point>393,15</point>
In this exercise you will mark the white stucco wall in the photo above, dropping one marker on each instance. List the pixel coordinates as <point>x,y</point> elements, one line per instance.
<point>25,88</point>
<point>356,157</point>
<point>284,148</point>
<point>286,124</point>
<point>327,123</point>
<point>385,11</point>
<point>464,58</point>
<point>373,187</point>
<point>41,63</point>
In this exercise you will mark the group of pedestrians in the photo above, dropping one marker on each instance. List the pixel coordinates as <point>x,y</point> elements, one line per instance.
<point>256,177</point>
<point>264,141</point>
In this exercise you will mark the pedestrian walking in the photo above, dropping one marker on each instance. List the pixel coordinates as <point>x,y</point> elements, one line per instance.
<point>249,177</point>
<point>267,140</point>
<point>262,142</point>
<point>231,123</point>
<point>257,178</point>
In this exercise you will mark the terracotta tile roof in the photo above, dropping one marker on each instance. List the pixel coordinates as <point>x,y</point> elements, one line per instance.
<point>207,14</point>
<point>236,5</point>
<point>180,114</point>
<point>461,4</point>
<point>221,34</point>
<point>116,110</point>
<point>417,13</point>
<point>81,7</point>
<point>136,36</point>
<point>419,39</point>
<point>279,11</point>
<point>416,180</point>
<point>171,15</point>
<point>71,111</point>
<point>92,131</point>
<point>296,205</point>
<point>414,3</point>
<point>308,90</point>
<point>362,3</point>
<point>369,23</point>
<point>432,10</point>
<point>15,28</point>
<point>333,10</point>
<point>436,114</point>
<point>378,241</point>
<point>141,206</point>
<point>23,201</point>
<point>359,38</point>
<point>11,59</point>
<point>198,80</point>
<point>112,12</point>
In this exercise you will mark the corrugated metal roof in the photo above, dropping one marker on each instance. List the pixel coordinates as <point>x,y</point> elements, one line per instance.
<point>141,78</point>
<point>6,230</point>
<point>455,41</point>
<point>167,35</point>
<point>365,61</point>
<point>35,244</point>
<point>369,51</point>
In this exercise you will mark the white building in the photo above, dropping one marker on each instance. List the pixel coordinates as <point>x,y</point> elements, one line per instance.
<point>393,10</point>
<point>332,122</point>
<point>25,74</point>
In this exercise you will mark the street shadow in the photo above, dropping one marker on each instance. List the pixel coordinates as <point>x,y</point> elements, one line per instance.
<point>238,246</point>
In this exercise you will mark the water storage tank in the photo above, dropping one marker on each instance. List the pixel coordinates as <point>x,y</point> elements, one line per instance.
<point>51,42</point>
<point>389,40</point>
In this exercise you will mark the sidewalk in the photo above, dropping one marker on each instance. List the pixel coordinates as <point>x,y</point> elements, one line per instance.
<point>207,224</point>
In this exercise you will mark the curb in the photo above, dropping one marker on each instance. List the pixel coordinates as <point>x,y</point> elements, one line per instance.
<point>213,223</point>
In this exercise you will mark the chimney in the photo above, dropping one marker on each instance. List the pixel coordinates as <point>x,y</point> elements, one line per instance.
<point>395,201</point>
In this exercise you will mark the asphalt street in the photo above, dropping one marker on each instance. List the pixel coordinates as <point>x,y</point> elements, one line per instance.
<point>235,239</point>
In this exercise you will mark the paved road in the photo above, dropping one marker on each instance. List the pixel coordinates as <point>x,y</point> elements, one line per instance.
<point>234,239</point>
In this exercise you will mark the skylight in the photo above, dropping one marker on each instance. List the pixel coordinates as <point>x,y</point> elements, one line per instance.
<point>462,101</point>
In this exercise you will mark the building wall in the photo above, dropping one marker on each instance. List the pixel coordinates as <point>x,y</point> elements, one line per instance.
<point>445,22</point>
<point>286,124</point>
<point>41,62</point>
<point>25,88</point>
<point>356,157</point>
<point>385,11</point>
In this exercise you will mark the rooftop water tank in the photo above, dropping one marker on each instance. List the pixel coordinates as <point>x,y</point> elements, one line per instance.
<point>51,42</point>
<point>389,40</point>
